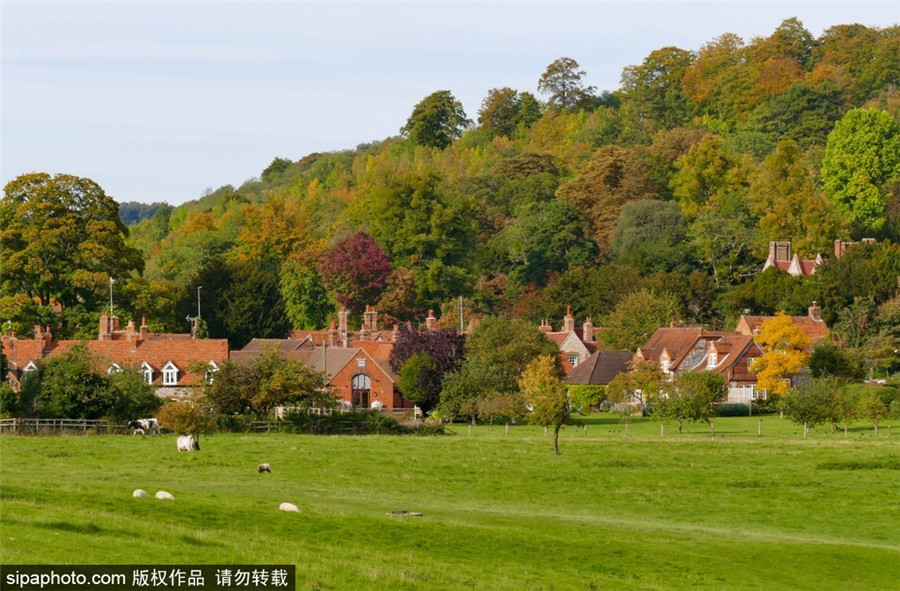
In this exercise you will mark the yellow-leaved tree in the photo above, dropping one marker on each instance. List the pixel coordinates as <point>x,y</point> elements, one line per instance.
<point>545,391</point>
<point>785,349</point>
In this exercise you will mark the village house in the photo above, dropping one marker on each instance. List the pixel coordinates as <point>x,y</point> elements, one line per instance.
<point>575,344</point>
<point>812,324</point>
<point>681,349</point>
<point>600,368</point>
<point>782,257</point>
<point>169,362</point>
<point>355,363</point>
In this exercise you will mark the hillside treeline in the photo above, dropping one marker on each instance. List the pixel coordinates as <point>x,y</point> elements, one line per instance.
<point>661,195</point>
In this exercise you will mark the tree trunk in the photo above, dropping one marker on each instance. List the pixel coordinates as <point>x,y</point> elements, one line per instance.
<point>507,429</point>
<point>556,438</point>
<point>876,429</point>
<point>805,429</point>
<point>680,424</point>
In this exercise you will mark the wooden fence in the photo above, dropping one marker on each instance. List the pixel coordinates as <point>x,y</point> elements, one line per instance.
<point>59,427</point>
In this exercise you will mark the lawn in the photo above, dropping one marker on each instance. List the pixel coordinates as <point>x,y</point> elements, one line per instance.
<point>681,511</point>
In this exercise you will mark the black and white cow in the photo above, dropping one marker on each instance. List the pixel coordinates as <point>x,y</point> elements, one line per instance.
<point>143,425</point>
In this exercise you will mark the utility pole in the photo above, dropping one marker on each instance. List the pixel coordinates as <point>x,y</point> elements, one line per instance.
<point>111,281</point>
<point>199,287</point>
<point>462,327</point>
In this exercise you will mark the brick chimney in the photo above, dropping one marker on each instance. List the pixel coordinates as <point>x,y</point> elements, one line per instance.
<point>587,331</point>
<point>545,327</point>
<point>395,333</point>
<point>780,251</point>
<point>342,324</point>
<point>568,320</point>
<point>333,335</point>
<point>47,338</point>
<point>815,312</point>
<point>105,333</point>
<point>114,324</point>
<point>370,318</point>
<point>145,331</point>
<point>431,321</point>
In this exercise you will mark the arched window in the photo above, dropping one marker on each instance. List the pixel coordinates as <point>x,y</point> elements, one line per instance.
<point>361,382</point>
<point>361,386</point>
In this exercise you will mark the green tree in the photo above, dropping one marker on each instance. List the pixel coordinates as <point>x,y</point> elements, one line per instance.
<point>640,386</point>
<point>650,236</point>
<point>61,240</point>
<point>636,317</point>
<point>130,396</point>
<point>809,404</point>
<point>414,379</point>
<point>563,82</point>
<point>873,408</point>
<point>691,397</point>
<point>68,386</point>
<point>436,121</point>
<point>861,158</point>
<point>497,352</point>
<point>499,113</point>
<point>545,391</point>
<point>653,90</point>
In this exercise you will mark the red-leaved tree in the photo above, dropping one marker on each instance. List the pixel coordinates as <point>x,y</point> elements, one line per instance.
<point>355,271</point>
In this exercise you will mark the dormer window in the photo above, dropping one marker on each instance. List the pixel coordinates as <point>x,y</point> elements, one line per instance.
<point>712,360</point>
<point>114,368</point>
<point>665,365</point>
<point>30,367</point>
<point>211,370</point>
<point>170,374</point>
<point>147,372</point>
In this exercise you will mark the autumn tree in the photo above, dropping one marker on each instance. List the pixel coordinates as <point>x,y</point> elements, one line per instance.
<point>61,240</point>
<point>612,177</point>
<point>862,156</point>
<point>355,270</point>
<point>872,408</point>
<point>563,82</point>
<point>436,120</point>
<point>785,350</point>
<point>543,388</point>
<point>642,385</point>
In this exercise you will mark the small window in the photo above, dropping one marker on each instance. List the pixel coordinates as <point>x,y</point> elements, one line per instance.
<point>712,360</point>
<point>147,371</point>
<point>360,362</point>
<point>665,365</point>
<point>211,370</point>
<point>170,374</point>
<point>573,360</point>
<point>750,361</point>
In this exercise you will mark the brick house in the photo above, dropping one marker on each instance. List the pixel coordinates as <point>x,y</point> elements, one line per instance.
<point>812,324</point>
<point>167,361</point>
<point>677,350</point>
<point>600,368</point>
<point>575,344</point>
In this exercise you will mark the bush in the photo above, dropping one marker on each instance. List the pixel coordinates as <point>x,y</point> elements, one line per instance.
<point>733,410</point>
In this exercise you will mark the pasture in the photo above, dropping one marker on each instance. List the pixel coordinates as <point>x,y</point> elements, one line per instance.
<point>684,511</point>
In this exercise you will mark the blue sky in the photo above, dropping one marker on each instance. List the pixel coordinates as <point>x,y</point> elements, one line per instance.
<point>156,101</point>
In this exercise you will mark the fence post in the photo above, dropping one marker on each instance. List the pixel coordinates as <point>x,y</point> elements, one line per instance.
<point>759,429</point>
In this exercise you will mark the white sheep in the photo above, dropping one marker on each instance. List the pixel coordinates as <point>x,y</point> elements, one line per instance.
<point>264,468</point>
<point>289,507</point>
<point>163,495</point>
<point>140,494</point>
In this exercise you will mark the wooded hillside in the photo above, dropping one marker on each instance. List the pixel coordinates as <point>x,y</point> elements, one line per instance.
<point>669,188</point>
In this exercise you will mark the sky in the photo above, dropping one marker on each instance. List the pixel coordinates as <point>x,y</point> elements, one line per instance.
<point>161,100</point>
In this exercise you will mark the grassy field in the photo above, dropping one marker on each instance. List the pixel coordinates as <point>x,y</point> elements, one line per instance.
<point>683,511</point>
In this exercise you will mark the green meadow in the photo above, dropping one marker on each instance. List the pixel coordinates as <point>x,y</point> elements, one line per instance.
<point>616,512</point>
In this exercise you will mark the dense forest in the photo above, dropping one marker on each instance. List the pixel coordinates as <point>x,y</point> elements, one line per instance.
<point>658,198</point>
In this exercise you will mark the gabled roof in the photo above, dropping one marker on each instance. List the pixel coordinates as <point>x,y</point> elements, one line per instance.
<point>816,330</point>
<point>600,368</point>
<point>679,342</point>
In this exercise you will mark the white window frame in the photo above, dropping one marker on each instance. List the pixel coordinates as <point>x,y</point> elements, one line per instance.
<point>114,368</point>
<point>712,359</point>
<point>664,364</point>
<point>147,370</point>
<point>360,362</point>
<point>573,359</point>
<point>211,371</point>
<point>30,367</point>
<point>170,374</point>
